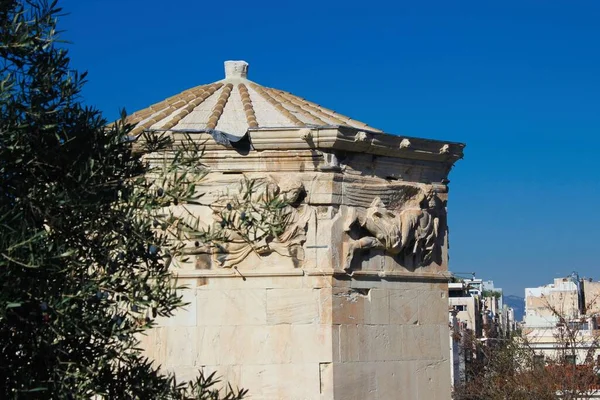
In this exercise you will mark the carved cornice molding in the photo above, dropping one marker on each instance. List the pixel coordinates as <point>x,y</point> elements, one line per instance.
<point>339,138</point>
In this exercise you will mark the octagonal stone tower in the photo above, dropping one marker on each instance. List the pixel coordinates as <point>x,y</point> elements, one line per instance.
<point>348,299</point>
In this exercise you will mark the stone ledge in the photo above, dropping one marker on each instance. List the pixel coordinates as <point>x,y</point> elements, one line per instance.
<point>386,275</point>
<point>337,138</point>
<point>234,273</point>
<point>341,138</point>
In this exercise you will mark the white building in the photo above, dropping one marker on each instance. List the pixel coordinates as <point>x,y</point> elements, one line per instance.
<point>476,311</point>
<point>561,319</point>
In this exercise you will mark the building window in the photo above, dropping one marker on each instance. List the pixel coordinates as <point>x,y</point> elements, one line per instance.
<point>461,308</point>
<point>578,326</point>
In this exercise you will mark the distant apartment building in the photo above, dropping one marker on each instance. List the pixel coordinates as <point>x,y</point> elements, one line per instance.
<point>476,312</point>
<point>465,304</point>
<point>561,319</point>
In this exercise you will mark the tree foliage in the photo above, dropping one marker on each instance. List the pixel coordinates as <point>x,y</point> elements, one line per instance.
<point>85,243</point>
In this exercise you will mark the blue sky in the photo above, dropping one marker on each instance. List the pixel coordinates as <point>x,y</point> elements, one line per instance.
<point>517,81</point>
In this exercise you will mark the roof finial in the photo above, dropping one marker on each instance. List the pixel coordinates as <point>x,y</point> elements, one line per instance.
<point>236,69</point>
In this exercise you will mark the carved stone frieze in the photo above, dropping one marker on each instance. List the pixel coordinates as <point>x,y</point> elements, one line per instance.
<point>412,230</point>
<point>267,216</point>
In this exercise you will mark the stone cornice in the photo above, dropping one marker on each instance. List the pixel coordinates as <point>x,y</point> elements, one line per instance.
<point>345,139</point>
<point>335,139</point>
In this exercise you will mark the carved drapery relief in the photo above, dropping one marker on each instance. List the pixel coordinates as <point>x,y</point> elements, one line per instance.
<point>266,217</point>
<point>412,231</point>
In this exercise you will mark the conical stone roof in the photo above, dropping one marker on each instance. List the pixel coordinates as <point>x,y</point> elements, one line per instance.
<point>234,106</point>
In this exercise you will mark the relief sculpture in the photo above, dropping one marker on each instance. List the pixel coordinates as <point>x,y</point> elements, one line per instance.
<point>413,231</point>
<point>266,217</point>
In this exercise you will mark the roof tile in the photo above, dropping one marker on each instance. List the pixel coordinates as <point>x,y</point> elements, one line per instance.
<point>235,105</point>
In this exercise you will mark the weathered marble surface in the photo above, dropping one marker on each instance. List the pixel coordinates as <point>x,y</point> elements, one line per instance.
<point>349,300</point>
<point>312,337</point>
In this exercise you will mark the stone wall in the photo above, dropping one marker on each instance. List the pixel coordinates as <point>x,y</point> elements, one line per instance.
<point>350,300</point>
<point>268,334</point>
<point>390,340</point>
<point>311,337</point>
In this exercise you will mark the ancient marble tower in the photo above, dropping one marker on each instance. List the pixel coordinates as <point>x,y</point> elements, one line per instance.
<point>347,298</point>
